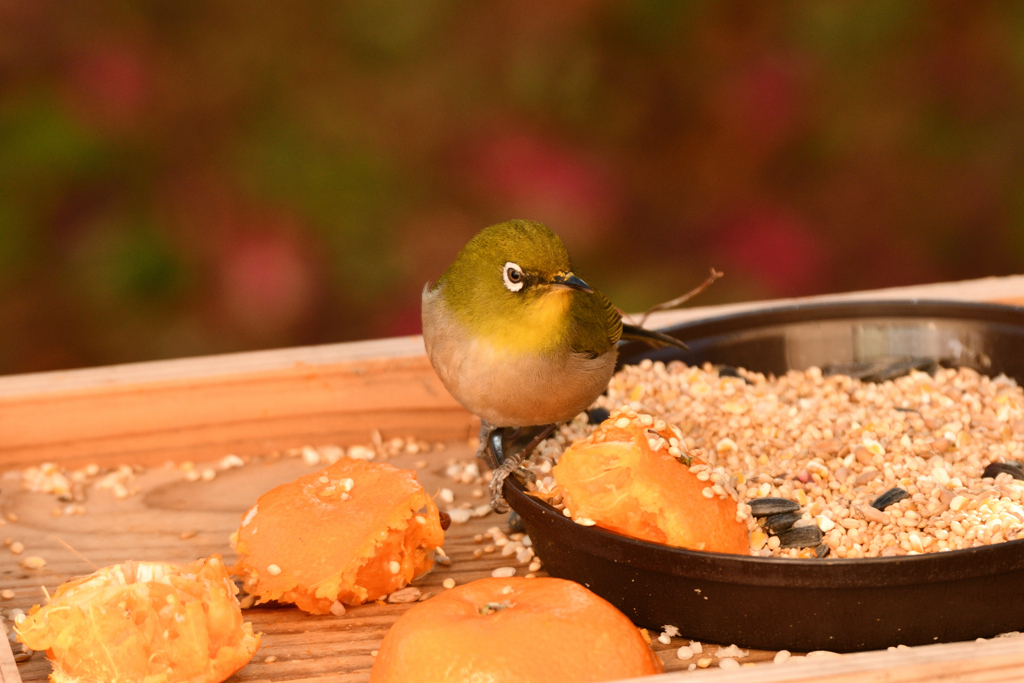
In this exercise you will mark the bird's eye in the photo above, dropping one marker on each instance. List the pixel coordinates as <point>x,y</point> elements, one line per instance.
<point>513,275</point>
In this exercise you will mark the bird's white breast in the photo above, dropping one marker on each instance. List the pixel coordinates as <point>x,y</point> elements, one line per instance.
<point>510,388</point>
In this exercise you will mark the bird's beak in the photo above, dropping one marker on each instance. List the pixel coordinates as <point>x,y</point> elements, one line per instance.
<point>572,282</point>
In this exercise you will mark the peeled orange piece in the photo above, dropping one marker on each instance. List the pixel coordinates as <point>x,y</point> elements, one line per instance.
<point>352,532</point>
<point>513,631</point>
<point>625,479</point>
<point>144,622</point>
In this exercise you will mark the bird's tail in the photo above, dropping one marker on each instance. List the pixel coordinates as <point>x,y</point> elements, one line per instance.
<point>652,337</point>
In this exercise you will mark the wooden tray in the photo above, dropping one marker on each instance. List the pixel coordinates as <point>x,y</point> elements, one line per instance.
<point>258,404</point>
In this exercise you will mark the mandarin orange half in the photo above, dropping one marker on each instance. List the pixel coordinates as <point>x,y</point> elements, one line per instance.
<point>143,622</point>
<point>625,479</point>
<point>352,532</point>
<point>513,630</point>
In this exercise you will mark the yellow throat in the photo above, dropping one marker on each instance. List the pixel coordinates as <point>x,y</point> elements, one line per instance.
<point>538,326</point>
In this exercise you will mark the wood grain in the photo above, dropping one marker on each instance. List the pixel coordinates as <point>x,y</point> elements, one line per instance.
<point>149,526</point>
<point>154,419</point>
<point>8,667</point>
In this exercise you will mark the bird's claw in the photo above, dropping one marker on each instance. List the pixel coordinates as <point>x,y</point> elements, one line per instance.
<point>498,478</point>
<point>503,465</point>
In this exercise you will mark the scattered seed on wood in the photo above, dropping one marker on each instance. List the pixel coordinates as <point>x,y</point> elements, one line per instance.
<point>33,562</point>
<point>460,516</point>
<point>733,651</point>
<point>405,596</point>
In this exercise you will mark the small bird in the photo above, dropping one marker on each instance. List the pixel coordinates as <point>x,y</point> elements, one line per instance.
<point>519,339</point>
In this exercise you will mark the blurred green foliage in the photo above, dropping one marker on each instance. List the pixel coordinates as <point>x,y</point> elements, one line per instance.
<point>181,178</point>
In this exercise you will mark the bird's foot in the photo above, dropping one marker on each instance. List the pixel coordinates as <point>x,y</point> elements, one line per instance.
<point>508,464</point>
<point>483,451</point>
<point>498,478</point>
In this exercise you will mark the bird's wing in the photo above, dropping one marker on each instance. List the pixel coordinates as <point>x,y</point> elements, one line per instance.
<point>612,318</point>
<point>596,324</point>
<point>652,337</point>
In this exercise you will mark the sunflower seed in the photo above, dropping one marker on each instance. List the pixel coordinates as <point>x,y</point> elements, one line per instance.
<point>800,537</point>
<point>776,524</point>
<point>763,507</point>
<point>893,495</point>
<point>1011,467</point>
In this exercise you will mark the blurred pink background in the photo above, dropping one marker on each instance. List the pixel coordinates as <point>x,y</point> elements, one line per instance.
<point>181,178</point>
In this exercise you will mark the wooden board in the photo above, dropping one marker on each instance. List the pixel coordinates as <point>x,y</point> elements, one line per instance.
<point>149,526</point>
<point>242,403</point>
<point>249,403</point>
<point>252,404</point>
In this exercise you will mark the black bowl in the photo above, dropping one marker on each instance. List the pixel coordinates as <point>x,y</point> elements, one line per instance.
<point>804,605</point>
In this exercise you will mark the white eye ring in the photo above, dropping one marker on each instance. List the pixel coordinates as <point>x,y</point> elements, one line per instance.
<point>513,276</point>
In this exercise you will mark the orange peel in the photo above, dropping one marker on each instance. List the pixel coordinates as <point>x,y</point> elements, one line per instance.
<point>627,477</point>
<point>352,532</point>
<point>145,622</point>
<point>469,633</point>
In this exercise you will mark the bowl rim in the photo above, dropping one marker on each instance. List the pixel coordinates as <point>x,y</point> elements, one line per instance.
<point>832,572</point>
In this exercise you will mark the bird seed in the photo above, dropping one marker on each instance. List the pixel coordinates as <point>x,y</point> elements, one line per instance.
<point>839,448</point>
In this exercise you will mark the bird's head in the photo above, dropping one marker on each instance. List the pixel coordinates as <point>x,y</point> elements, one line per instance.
<point>514,276</point>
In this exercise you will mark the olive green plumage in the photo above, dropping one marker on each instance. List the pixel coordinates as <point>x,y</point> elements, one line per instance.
<point>475,292</point>
<point>515,335</point>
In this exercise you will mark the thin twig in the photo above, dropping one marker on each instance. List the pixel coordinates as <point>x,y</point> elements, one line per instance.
<point>684,298</point>
<point>69,547</point>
